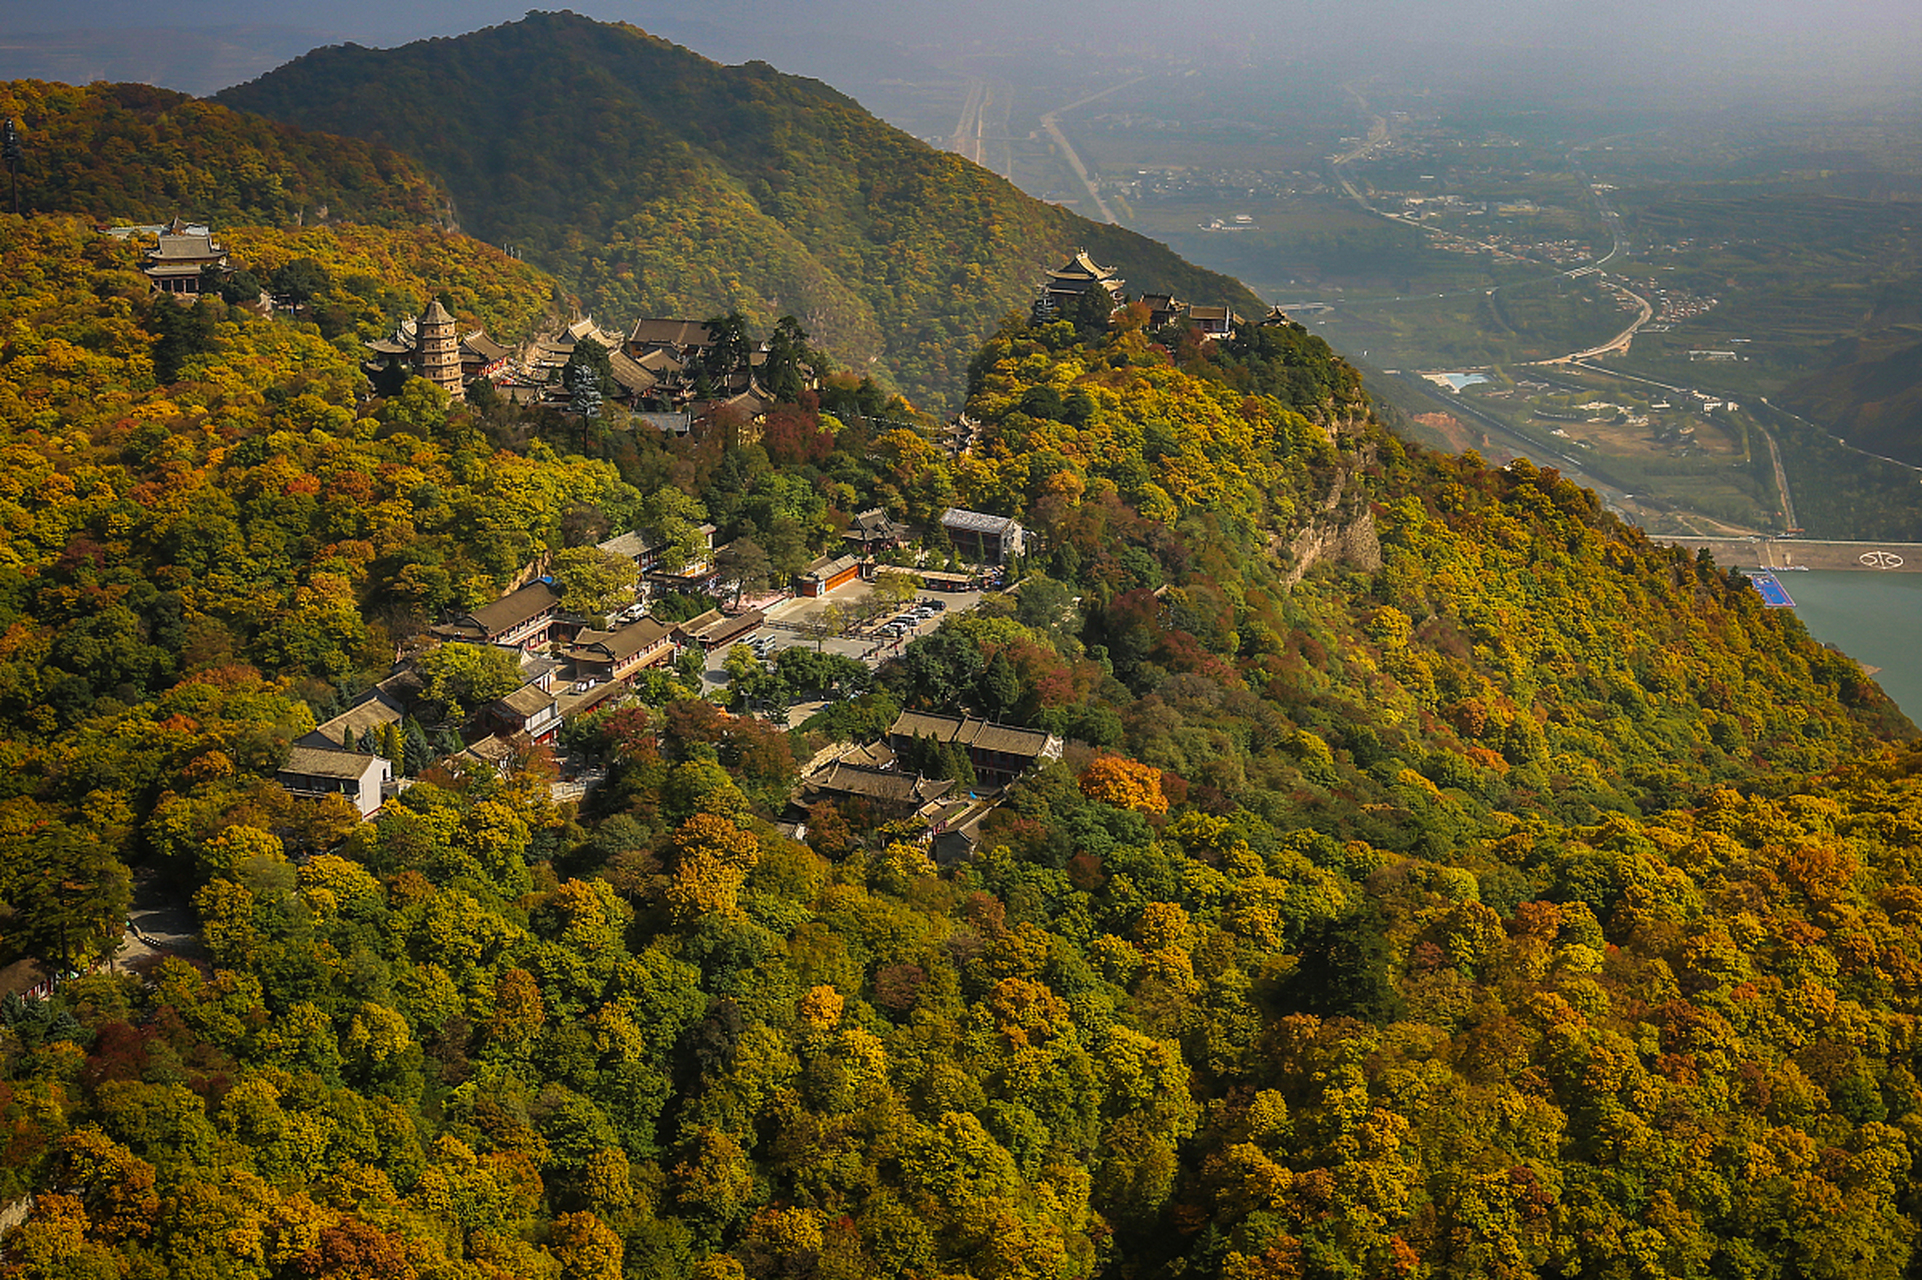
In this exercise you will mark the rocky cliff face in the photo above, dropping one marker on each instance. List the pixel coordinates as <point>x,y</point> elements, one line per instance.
<point>1342,531</point>
<point>1351,541</point>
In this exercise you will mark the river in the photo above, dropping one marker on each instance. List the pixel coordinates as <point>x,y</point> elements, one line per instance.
<point>1875,618</point>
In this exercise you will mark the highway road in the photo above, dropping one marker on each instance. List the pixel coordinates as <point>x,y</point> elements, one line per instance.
<point>1621,341</point>
<point>1052,123</point>
<point>981,133</point>
<point>1379,137</point>
<point>967,130</point>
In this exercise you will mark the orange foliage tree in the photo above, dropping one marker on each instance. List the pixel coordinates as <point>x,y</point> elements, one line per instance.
<point>1125,784</point>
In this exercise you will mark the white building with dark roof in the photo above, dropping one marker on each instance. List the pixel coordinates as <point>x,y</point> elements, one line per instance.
<point>313,772</point>
<point>371,713</point>
<point>983,538</point>
<point>1215,322</point>
<point>531,710</point>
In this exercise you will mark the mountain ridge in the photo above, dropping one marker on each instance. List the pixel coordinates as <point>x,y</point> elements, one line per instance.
<point>1871,390</point>
<point>652,180</point>
<point>139,152</point>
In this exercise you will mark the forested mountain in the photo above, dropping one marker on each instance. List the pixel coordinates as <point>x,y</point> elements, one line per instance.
<point>131,153</point>
<point>1441,879</point>
<point>1872,389</point>
<point>655,182</point>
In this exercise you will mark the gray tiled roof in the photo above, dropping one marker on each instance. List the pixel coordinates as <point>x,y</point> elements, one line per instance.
<point>976,521</point>
<point>319,762</point>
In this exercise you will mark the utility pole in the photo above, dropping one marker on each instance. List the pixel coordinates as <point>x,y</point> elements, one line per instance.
<point>10,152</point>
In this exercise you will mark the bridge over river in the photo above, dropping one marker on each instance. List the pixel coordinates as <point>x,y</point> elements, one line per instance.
<point>1808,553</point>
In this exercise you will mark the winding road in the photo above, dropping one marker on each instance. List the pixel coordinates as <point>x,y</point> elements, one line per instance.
<point>1379,136</point>
<point>1768,437</point>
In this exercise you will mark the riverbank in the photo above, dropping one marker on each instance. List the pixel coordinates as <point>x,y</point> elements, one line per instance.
<point>1805,553</point>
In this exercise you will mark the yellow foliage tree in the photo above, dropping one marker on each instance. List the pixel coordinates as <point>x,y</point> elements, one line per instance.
<point>820,1009</point>
<point>1125,784</point>
<point>586,1248</point>
<point>712,861</point>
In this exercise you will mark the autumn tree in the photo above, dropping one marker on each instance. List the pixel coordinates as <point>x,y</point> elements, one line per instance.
<point>463,677</point>
<point>712,858</point>
<point>743,563</point>
<point>594,581</point>
<point>1125,784</point>
<point>68,897</point>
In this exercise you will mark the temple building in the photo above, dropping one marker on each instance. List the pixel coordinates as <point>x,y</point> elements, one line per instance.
<point>547,356</point>
<point>482,357</point>
<point>185,251</point>
<point>1081,273</point>
<point>685,340</point>
<point>1215,322</point>
<point>314,772</point>
<point>874,531</point>
<point>523,619</point>
<point>1163,309</point>
<point>1000,753</point>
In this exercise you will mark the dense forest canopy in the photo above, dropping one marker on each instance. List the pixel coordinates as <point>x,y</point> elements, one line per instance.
<point>655,182</point>
<point>131,153</point>
<point>1440,878</point>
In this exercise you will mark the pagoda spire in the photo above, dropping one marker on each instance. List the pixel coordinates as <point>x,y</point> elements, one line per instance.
<point>438,352</point>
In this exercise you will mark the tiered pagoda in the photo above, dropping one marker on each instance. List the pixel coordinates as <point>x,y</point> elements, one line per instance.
<point>439,351</point>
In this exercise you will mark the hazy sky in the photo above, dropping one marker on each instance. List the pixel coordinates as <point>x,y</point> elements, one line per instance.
<point>1668,41</point>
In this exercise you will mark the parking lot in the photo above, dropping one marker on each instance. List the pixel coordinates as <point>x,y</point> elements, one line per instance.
<point>868,644</point>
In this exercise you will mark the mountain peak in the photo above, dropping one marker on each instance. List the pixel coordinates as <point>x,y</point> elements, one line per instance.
<point>654,181</point>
